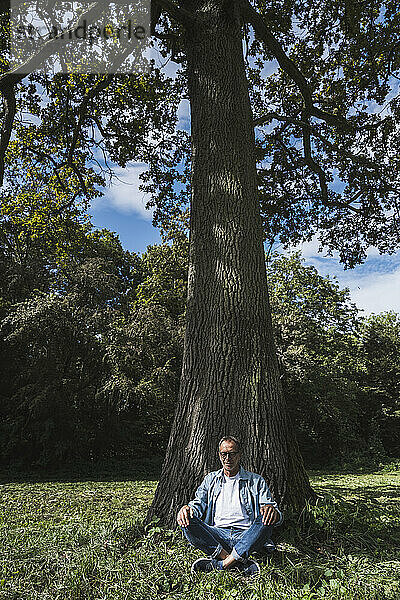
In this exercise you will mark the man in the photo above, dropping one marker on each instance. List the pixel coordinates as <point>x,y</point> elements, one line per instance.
<point>232,515</point>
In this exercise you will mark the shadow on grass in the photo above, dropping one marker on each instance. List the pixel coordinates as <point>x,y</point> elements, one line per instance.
<point>112,470</point>
<point>368,468</point>
<point>366,492</point>
<point>335,526</point>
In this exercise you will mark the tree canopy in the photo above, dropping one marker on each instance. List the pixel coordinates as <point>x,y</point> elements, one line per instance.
<point>323,86</point>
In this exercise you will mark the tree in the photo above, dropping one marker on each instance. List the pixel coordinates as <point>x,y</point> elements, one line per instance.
<point>314,123</point>
<point>84,371</point>
<point>317,335</point>
<point>63,285</point>
<point>165,277</point>
<point>230,377</point>
<point>89,365</point>
<point>380,351</point>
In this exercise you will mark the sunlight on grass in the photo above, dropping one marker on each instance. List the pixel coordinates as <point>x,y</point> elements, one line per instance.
<point>64,540</point>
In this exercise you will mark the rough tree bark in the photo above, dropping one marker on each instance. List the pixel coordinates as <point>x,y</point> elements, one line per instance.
<point>230,379</point>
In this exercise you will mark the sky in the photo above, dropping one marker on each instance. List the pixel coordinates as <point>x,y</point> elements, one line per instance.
<point>374,286</point>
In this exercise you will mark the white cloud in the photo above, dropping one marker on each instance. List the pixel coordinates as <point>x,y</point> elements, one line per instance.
<point>377,292</point>
<point>374,286</point>
<point>372,251</point>
<point>184,115</point>
<point>309,249</point>
<point>269,68</point>
<point>124,194</point>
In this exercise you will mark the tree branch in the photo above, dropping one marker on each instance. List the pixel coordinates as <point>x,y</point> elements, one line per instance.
<point>21,71</point>
<point>261,30</point>
<point>100,126</point>
<point>307,131</point>
<point>48,157</point>
<point>314,166</point>
<point>155,13</point>
<point>304,123</point>
<point>9,79</point>
<point>362,160</point>
<point>100,85</point>
<point>7,125</point>
<point>180,15</point>
<point>274,115</point>
<point>308,158</point>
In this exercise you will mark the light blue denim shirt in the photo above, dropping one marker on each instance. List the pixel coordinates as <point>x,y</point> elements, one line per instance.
<point>253,492</point>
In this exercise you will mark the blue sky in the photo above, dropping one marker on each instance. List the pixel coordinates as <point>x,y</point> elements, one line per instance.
<point>122,209</point>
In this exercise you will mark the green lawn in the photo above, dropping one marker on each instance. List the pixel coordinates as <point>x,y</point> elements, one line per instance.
<point>83,539</point>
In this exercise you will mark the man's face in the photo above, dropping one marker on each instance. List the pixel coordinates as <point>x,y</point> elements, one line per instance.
<point>230,458</point>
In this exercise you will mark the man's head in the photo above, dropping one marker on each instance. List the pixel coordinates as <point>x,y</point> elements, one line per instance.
<point>230,453</point>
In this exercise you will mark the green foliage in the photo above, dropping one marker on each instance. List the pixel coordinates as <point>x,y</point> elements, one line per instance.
<point>165,277</point>
<point>87,369</point>
<point>380,377</point>
<point>380,336</point>
<point>338,380</point>
<point>82,381</point>
<point>69,537</point>
<point>51,375</point>
<point>92,336</point>
<point>35,237</point>
<point>144,353</point>
<point>346,51</point>
<point>92,351</point>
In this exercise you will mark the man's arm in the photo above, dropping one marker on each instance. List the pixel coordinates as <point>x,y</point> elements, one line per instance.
<point>197,506</point>
<point>271,515</point>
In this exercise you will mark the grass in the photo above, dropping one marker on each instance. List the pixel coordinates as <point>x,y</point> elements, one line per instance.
<point>77,537</point>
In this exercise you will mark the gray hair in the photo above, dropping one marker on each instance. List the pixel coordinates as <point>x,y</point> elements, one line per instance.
<point>230,438</point>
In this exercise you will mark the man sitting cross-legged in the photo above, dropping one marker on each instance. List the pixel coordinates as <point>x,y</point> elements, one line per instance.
<point>232,515</point>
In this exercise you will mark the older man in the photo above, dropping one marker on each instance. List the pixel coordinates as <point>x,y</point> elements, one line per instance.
<point>232,515</point>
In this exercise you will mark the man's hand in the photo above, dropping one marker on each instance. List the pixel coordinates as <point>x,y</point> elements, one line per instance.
<point>183,515</point>
<point>269,514</point>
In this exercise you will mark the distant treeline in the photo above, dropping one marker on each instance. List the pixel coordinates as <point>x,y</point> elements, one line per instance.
<point>92,339</point>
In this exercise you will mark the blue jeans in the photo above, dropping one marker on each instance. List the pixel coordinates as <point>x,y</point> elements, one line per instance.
<point>238,542</point>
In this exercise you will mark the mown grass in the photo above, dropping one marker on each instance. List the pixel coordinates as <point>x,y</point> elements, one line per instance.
<point>83,539</point>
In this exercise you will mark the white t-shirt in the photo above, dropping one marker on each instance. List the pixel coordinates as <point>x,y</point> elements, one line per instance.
<point>229,511</point>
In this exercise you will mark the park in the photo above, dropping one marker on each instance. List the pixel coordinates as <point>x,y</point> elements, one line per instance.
<point>121,370</point>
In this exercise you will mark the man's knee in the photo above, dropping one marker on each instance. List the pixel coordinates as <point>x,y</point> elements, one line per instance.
<point>194,519</point>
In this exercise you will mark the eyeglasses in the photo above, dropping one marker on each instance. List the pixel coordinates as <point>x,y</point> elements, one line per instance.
<point>224,455</point>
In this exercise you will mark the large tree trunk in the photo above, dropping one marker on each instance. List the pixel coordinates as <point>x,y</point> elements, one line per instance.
<point>230,379</point>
